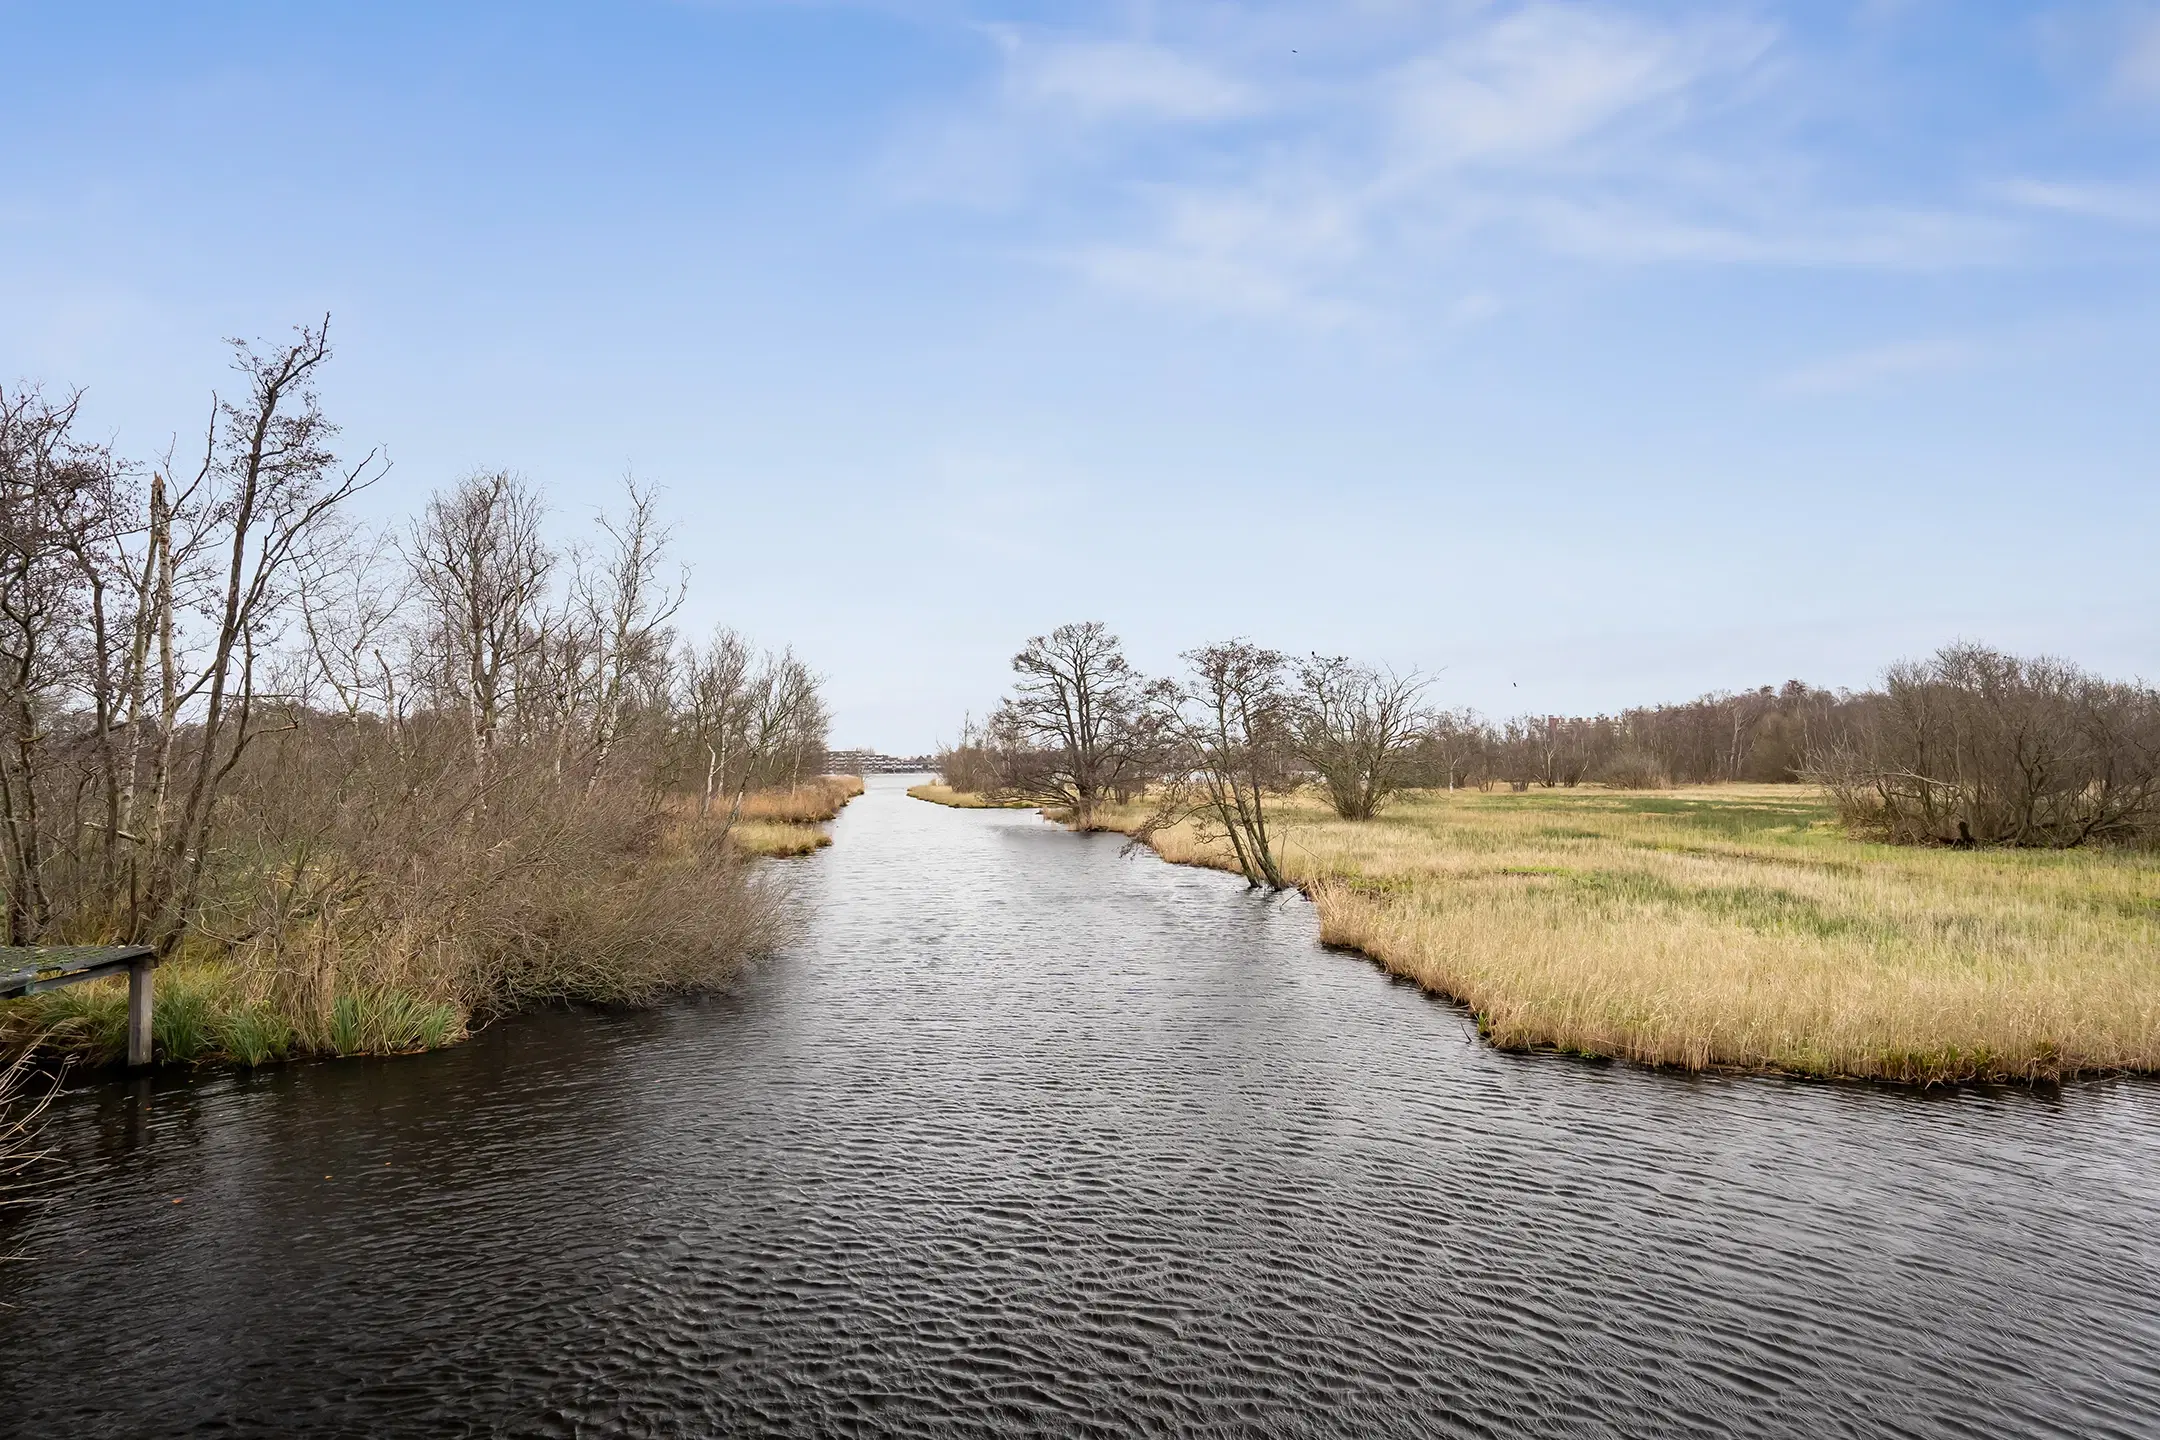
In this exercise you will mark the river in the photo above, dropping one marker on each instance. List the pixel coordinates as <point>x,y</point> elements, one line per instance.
<point>1031,1136</point>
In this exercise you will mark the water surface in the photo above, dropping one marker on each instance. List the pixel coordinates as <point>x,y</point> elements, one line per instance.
<point>1029,1136</point>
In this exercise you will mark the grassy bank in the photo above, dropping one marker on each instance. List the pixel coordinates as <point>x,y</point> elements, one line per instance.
<point>1737,927</point>
<point>622,931</point>
<point>963,799</point>
<point>784,822</point>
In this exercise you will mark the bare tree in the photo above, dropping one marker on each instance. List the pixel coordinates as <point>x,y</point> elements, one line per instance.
<point>354,593</point>
<point>626,606</point>
<point>1454,748</point>
<point>268,477</point>
<point>1079,724</point>
<point>482,570</point>
<point>1355,726</point>
<point>1231,726</point>
<point>717,699</point>
<point>60,504</point>
<point>784,721</point>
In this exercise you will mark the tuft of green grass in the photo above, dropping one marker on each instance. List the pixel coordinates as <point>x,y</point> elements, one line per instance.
<point>390,1022</point>
<point>88,1021</point>
<point>255,1035</point>
<point>184,1016</point>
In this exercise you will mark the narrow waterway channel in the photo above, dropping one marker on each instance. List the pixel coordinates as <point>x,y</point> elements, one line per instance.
<point>1029,1136</point>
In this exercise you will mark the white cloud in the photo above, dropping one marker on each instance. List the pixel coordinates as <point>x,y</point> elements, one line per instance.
<point>1208,167</point>
<point>1541,79</point>
<point>1112,80</point>
<point>2121,204</point>
<point>1871,368</point>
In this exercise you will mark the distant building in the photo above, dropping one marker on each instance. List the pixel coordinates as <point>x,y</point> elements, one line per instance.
<point>872,762</point>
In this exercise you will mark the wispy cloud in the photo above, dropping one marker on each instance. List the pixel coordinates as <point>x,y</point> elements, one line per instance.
<point>2137,63</point>
<point>2119,204</point>
<point>1094,80</point>
<point>1542,80</point>
<point>1226,166</point>
<point>1871,369</point>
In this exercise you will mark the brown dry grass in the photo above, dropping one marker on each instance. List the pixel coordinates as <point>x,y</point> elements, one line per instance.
<point>776,839</point>
<point>781,821</point>
<point>963,799</point>
<point>814,801</point>
<point>1737,927</point>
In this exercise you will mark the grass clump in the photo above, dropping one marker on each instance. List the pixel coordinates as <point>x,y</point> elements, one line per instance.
<point>1737,927</point>
<point>390,1022</point>
<point>814,801</point>
<point>777,839</point>
<point>251,1035</point>
<point>212,1013</point>
<point>964,799</point>
<point>788,820</point>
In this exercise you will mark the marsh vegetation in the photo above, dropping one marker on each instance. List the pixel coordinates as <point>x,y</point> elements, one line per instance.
<point>360,783</point>
<point>1950,878</point>
<point>1733,927</point>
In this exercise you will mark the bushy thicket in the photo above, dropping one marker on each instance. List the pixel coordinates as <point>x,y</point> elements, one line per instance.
<point>1974,746</point>
<point>376,776</point>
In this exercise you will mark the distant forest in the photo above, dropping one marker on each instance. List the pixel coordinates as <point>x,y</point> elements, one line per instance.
<point>1761,735</point>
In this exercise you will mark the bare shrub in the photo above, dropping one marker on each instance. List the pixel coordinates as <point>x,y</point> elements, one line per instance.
<point>967,764</point>
<point>1976,746</point>
<point>1633,770</point>
<point>362,865</point>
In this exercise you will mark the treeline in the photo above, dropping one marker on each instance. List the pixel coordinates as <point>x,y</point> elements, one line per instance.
<point>1760,735</point>
<point>444,761</point>
<point>1969,747</point>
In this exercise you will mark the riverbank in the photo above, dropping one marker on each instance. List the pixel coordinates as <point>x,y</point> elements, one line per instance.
<point>258,1009</point>
<point>963,799</point>
<point>1736,928</point>
<point>780,823</point>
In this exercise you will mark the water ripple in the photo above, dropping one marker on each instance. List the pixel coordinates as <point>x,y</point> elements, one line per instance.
<point>1030,1136</point>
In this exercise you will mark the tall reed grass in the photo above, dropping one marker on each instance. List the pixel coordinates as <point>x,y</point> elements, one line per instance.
<point>814,801</point>
<point>1737,927</point>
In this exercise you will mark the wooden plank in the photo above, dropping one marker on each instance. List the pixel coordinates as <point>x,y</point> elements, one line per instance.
<point>140,979</point>
<point>28,968</point>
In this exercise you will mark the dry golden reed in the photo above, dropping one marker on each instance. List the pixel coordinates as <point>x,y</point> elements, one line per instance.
<point>1737,927</point>
<point>812,802</point>
<point>964,799</point>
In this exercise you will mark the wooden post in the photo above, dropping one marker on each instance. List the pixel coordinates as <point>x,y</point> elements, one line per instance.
<point>139,985</point>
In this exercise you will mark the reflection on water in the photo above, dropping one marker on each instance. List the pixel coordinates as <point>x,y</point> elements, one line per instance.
<point>1030,1136</point>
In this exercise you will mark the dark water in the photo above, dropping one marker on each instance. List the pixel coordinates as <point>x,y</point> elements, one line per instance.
<point>1029,1137</point>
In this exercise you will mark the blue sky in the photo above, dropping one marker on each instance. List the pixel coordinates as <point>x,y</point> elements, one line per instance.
<point>1587,354</point>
